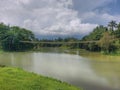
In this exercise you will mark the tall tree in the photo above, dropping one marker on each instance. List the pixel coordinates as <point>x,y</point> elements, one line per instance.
<point>112,24</point>
<point>105,42</point>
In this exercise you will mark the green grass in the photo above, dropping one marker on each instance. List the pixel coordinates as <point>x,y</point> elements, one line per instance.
<point>18,79</point>
<point>1,51</point>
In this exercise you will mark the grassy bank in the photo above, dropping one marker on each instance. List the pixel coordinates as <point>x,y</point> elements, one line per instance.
<point>18,79</point>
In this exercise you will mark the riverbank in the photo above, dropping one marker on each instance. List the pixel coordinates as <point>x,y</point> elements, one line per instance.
<point>18,79</point>
<point>66,50</point>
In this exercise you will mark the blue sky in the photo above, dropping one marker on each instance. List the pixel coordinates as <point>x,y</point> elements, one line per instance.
<point>114,7</point>
<point>59,18</point>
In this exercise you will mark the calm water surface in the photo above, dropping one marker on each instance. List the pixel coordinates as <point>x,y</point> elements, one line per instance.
<point>91,71</point>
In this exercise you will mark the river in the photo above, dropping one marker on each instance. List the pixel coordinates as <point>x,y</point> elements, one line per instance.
<point>91,71</point>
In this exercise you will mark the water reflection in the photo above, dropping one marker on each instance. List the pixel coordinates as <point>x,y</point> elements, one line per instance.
<point>91,71</point>
<point>22,60</point>
<point>109,70</point>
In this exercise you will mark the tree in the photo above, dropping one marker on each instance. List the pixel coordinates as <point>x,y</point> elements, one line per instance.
<point>3,29</point>
<point>96,34</point>
<point>12,39</point>
<point>106,42</point>
<point>112,25</point>
<point>117,32</point>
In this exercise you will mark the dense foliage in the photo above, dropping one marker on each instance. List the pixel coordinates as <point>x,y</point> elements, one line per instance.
<point>96,34</point>
<point>11,37</point>
<point>108,38</point>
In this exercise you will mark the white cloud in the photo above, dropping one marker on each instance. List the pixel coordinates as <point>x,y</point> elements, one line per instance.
<point>96,11</point>
<point>101,18</point>
<point>53,17</point>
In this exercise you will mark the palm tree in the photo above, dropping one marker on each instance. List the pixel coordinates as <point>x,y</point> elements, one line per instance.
<point>112,25</point>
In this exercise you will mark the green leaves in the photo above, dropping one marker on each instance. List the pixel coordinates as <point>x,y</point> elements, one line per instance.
<point>10,38</point>
<point>112,25</point>
<point>96,34</point>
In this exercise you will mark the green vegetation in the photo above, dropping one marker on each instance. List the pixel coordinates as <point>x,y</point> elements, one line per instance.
<point>103,39</point>
<point>59,42</point>
<point>11,37</point>
<point>17,79</point>
<point>96,34</point>
<point>108,39</point>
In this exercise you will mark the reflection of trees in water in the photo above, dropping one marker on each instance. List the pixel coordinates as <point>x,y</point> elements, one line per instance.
<point>105,66</point>
<point>23,60</point>
<point>109,70</point>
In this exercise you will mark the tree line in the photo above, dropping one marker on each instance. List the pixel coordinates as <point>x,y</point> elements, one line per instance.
<point>107,39</point>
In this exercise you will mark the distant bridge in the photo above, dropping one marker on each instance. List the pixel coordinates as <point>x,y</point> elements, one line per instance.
<point>38,43</point>
<point>72,42</point>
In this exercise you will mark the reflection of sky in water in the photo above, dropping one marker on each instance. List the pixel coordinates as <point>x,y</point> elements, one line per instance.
<point>71,68</point>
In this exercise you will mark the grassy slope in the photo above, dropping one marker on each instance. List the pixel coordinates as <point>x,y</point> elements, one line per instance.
<point>18,79</point>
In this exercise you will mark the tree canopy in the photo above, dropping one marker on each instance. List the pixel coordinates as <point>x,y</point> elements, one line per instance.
<point>108,38</point>
<point>96,34</point>
<point>11,37</point>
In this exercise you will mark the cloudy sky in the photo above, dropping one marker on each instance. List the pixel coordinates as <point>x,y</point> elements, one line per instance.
<point>59,18</point>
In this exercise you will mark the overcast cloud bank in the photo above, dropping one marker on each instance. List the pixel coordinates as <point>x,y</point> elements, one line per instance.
<point>50,18</point>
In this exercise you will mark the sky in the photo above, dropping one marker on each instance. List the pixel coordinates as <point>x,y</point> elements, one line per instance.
<point>59,18</point>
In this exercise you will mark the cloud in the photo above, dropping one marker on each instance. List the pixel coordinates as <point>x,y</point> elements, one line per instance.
<point>55,18</point>
<point>88,5</point>
<point>96,11</point>
<point>100,18</point>
<point>44,17</point>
